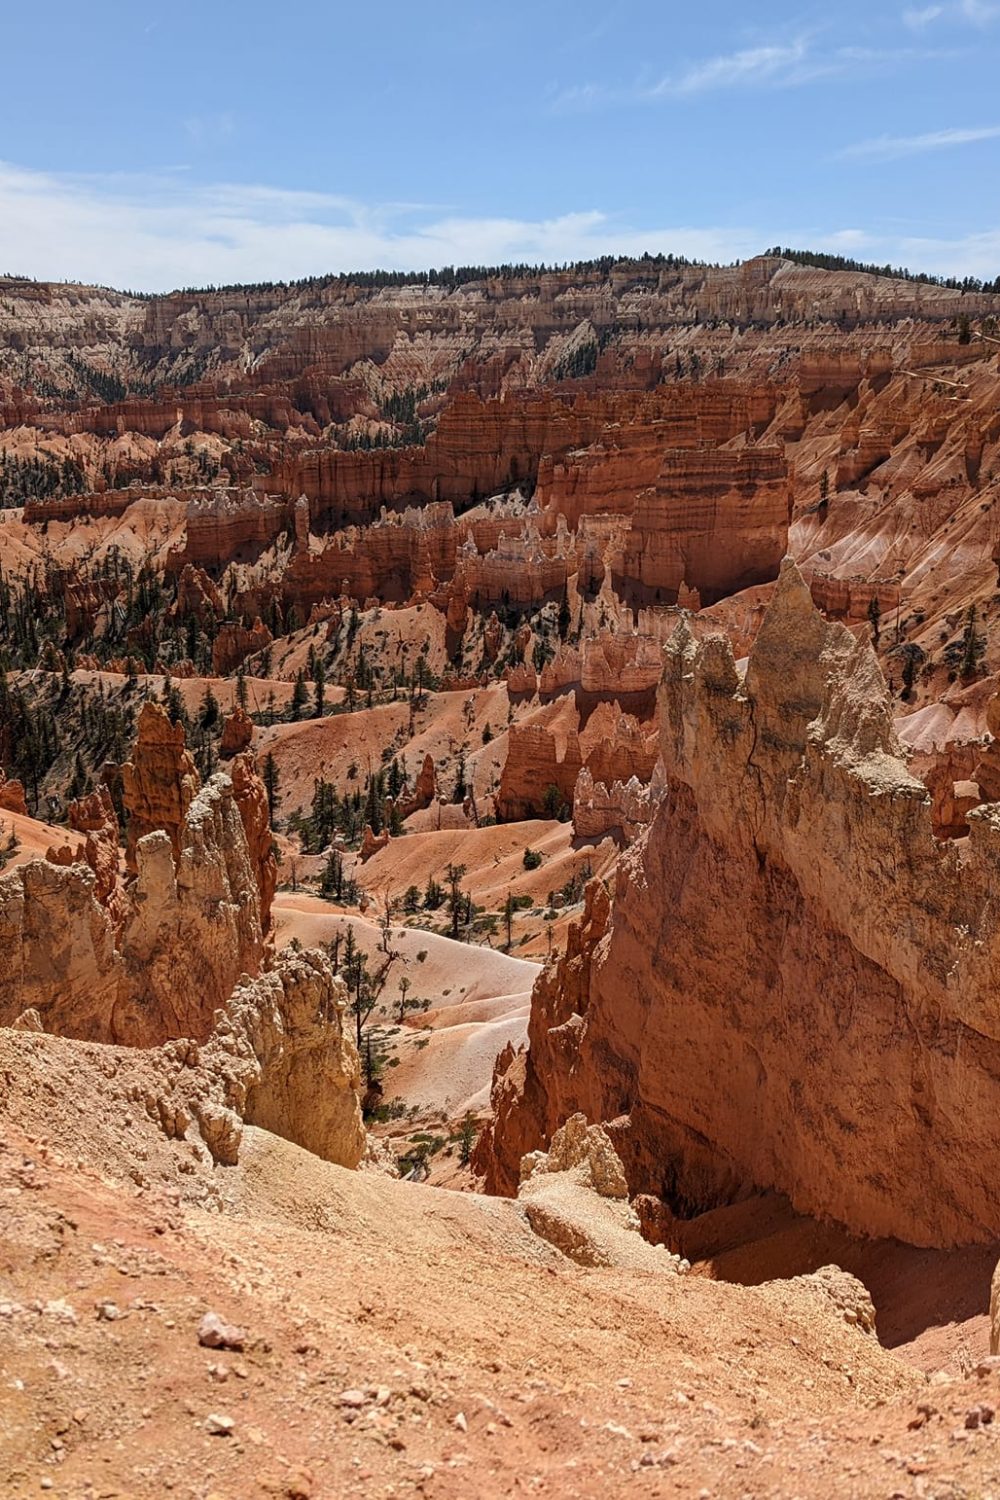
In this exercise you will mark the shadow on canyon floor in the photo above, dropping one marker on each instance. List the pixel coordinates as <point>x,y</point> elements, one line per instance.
<point>932,1305</point>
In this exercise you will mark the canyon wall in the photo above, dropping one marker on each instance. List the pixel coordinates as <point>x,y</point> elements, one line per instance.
<point>795,988</point>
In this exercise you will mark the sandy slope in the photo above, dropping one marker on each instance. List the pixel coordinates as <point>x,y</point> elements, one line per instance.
<point>346,1282</point>
<point>485,1363</point>
<point>33,836</point>
<point>478,1002</point>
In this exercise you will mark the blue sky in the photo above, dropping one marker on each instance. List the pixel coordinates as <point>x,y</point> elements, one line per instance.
<point>150,146</point>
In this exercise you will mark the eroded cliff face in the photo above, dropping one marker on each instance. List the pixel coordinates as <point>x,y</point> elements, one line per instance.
<point>96,959</point>
<point>796,986</point>
<point>195,923</point>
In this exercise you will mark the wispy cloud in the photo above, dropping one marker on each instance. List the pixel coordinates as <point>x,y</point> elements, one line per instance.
<point>973,12</point>
<point>754,65</point>
<point>774,65</point>
<point>160,232</point>
<point>777,65</point>
<point>209,130</point>
<point>889,147</point>
<point>918,19</point>
<point>979,12</point>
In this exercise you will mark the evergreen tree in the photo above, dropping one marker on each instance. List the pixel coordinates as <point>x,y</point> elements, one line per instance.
<point>319,687</point>
<point>457,906</point>
<point>271,787</point>
<point>300,696</point>
<point>973,645</point>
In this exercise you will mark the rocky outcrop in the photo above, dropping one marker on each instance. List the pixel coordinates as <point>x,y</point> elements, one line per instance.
<point>715,521</point>
<point>987,771</point>
<point>371,843</point>
<point>237,733</point>
<point>850,1297</point>
<point>195,925</point>
<point>424,788</point>
<point>796,989</point>
<point>161,957</point>
<point>251,799</point>
<point>546,753</point>
<point>160,781</point>
<point>532,1087</point>
<point>623,808</point>
<point>233,643</point>
<point>95,817</point>
<point>57,951</point>
<point>280,1057</point>
<point>12,796</point>
<point>197,596</point>
<point>575,1196</point>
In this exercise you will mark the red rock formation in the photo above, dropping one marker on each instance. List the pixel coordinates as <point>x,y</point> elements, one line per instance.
<point>534,1086</point>
<point>987,770</point>
<point>424,789</point>
<point>237,733</point>
<point>549,750</point>
<point>542,753</point>
<point>251,799</point>
<point>226,525</point>
<point>234,643</point>
<point>191,920</point>
<point>12,796</point>
<point>768,1006</point>
<point>715,521</point>
<point>623,808</point>
<point>197,596</point>
<point>160,781</point>
<point>371,843</point>
<point>95,817</point>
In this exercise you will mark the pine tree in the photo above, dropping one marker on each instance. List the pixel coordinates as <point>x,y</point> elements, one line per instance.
<point>270,773</point>
<point>319,687</point>
<point>456,897</point>
<point>973,645</point>
<point>208,713</point>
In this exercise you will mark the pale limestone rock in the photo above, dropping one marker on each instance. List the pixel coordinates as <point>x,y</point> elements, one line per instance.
<point>576,1197</point>
<point>280,1057</point>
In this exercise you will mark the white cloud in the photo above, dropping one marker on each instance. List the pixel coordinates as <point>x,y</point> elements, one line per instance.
<point>976,12</point>
<point>773,66</point>
<point>754,65</point>
<point>918,19</point>
<point>154,234</point>
<point>969,255</point>
<point>979,12</point>
<point>889,147</point>
<point>210,130</point>
<point>849,239</point>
